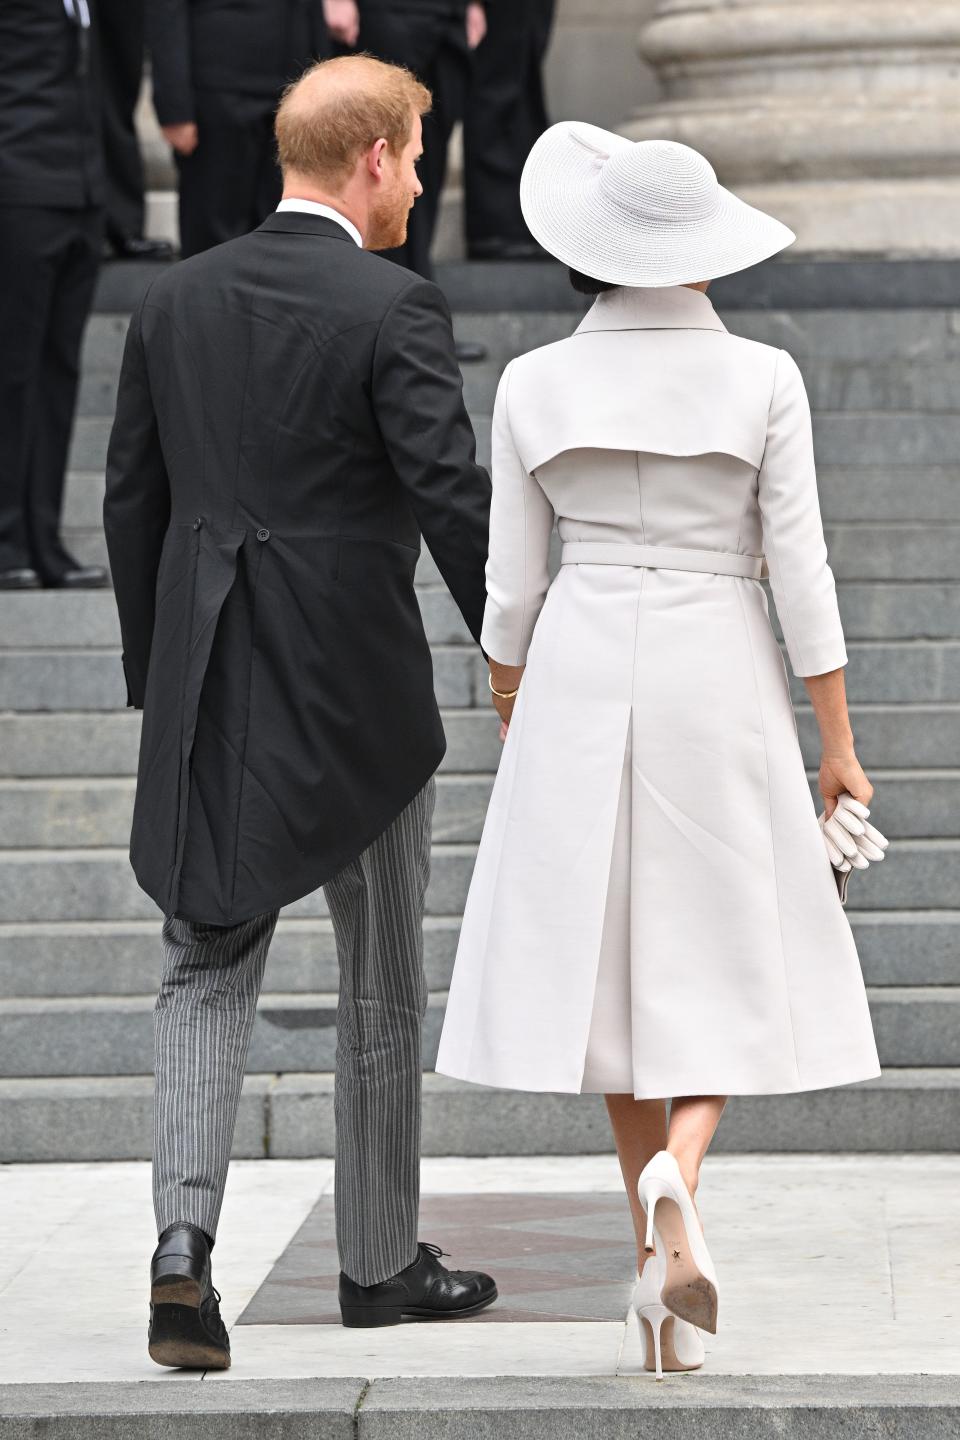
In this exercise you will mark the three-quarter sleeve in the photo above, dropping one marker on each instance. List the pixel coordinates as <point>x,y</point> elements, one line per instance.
<point>521,522</point>
<point>796,552</point>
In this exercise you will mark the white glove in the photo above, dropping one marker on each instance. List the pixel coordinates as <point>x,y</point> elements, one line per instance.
<point>851,843</point>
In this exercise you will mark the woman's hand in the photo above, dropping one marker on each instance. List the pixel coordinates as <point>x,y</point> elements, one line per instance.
<point>839,773</point>
<point>505,678</point>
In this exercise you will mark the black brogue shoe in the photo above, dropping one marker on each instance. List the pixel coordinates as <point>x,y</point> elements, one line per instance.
<point>425,1290</point>
<point>185,1325</point>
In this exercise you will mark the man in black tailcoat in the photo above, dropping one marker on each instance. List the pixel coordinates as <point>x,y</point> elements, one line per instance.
<point>218,68</point>
<point>51,227</point>
<point>290,421</point>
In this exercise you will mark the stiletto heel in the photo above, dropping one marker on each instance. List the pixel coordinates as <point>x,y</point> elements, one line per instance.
<point>690,1284</point>
<point>653,1319</point>
<point>667,1343</point>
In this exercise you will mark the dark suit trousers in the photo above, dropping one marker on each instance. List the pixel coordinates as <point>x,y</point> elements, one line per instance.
<point>48,267</point>
<point>434,47</point>
<point>231,182</point>
<point>121,70</point>
<point>505,114</point>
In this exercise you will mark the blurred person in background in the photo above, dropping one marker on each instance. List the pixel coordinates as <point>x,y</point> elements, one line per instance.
<point>218,68</point>
<point>505,114</point>
<point>434,39</point>
<point>121,61</point>
<point>51,229</point>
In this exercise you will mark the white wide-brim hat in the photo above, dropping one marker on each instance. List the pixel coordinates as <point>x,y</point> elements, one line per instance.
<point>647,212</point>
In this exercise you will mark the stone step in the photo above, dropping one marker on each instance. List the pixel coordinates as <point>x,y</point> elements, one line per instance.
<point>927,286</point>
<point>870,610</point>
<point>899,383</point>
<point>35,746</point>
<point>77,813</point>
<point>565,1407</point>
<point>100,885</point>
<point>113,1035</point>
<point>123,957</point>
<point>851,438</point>
<point>855,337</point>
<point>858,493</point>
<point>291,1117</point>
<point>91,679</point>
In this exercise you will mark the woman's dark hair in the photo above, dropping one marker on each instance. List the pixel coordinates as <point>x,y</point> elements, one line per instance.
<point>586,285</point>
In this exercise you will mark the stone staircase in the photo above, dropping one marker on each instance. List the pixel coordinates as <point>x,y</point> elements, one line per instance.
<point>79,952</point>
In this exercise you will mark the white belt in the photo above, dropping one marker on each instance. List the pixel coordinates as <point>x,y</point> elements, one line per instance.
<point>661,557</point>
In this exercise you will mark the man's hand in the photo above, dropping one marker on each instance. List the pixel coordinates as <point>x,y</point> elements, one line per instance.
<point>183,138</point>
<point>343,20</point>
<point>476,23</point>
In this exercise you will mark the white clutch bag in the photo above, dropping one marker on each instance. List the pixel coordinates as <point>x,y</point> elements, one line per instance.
<point>852,844</point>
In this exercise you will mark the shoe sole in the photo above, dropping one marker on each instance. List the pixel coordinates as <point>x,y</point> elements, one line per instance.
<point>687,1292</point>
<point>370,1317</point>
<point>178,1337</point>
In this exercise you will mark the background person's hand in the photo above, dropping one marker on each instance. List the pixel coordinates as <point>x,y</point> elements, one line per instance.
<point>343,20</point>
<point>184,138</point>
<point>839,773</point>
<point>476,23</point>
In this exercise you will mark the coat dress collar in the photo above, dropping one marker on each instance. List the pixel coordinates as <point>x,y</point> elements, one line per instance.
<point>668,307</point>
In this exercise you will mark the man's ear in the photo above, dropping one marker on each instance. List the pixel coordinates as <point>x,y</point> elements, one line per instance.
<point>376,159</point>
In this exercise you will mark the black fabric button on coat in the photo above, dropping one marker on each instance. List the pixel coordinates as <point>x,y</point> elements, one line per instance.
<point>263,534</point>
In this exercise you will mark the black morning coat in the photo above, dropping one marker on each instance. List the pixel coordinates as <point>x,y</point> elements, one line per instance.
<point>290,420</point>
<point>50,138</point>
<point>250,47</point>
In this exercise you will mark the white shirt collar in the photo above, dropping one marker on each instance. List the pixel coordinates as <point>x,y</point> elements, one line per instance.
<point>313,207</point>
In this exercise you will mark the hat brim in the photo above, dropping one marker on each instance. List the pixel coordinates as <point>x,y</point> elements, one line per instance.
<point>568,214</point>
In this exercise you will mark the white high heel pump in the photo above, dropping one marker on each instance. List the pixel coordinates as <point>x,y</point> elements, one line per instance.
<point>690,1284</point>
<point>668,1343</point>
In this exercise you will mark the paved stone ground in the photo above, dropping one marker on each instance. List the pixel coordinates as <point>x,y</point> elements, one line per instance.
<point>844,1266</point>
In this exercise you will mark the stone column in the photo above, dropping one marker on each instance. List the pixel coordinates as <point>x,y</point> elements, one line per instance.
<point>841,117</point>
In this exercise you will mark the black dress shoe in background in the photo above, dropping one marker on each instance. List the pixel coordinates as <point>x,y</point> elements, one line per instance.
<point>20,578</point>
<point>426,1290</point>
<point>469,352</point>
<point>83,577</point>
<point>138,247</point>
<point>185,1326</point>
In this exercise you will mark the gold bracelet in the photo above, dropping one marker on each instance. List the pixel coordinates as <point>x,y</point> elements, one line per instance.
<point>502,694</point>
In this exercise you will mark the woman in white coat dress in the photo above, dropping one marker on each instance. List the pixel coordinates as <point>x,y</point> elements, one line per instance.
<point>653,913</point>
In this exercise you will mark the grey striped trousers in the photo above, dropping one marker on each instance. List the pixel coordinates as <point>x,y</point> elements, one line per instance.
<point>204,1016</point>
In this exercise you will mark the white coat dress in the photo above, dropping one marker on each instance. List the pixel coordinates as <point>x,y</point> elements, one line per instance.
<point>652,908</point>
